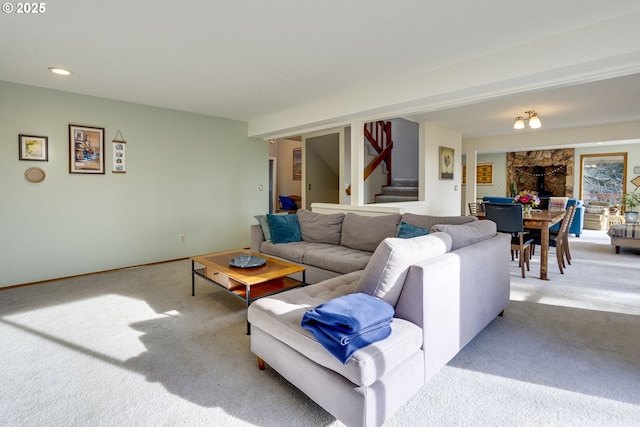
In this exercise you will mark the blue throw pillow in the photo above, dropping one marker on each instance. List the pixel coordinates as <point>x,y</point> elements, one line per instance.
<point>407,231</point>
<point>287,203</point>
<point>264,224</point>
<point>284,228</point>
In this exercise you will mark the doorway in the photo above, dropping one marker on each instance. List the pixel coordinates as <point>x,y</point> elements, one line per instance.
<point>321,168</point>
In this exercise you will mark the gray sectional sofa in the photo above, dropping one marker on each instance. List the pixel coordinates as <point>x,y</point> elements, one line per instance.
<point>334,244</point>
<point>445,288</point>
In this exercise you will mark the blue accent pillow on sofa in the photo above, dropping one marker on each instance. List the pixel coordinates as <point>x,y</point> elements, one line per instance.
<point>264,224</point>
<point>407,231</point>
<point>284,228</point>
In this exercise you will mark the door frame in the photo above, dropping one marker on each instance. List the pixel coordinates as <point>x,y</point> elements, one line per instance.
<point>273,164</point>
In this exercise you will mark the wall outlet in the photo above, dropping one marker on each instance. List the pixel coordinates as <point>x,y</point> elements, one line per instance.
<point>181,238</point>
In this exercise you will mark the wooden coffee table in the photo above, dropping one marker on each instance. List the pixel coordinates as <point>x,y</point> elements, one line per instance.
<point>246,283</point>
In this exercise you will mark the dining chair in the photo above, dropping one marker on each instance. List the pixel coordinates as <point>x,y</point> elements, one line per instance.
<point>515,252</point>
<point>476,208</point>
<point>559,239</point>
<point>509,219</point>
<point>565,240</point>
<point>289,204</point>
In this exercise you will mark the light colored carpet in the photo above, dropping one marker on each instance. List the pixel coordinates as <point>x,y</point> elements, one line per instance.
<point>133,347</point>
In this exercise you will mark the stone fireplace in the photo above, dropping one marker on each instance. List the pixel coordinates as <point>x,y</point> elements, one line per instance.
<point>550,172</point>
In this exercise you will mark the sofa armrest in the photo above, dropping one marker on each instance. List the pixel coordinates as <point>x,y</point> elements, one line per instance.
<point>454,296</point>
<point>430,298</point>
<point>257,237</point>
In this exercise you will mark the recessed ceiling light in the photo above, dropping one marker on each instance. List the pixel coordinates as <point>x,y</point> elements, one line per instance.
<point>60,71</point>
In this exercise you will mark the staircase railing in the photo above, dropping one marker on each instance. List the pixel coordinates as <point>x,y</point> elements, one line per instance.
<point>378,134</point>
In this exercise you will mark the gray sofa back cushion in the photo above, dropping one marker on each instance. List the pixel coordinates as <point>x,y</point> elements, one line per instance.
<point>428,221</point>
<point>467,234</point>
<point>386,272</point>
<point>366,232</point>
<point>320,228</point>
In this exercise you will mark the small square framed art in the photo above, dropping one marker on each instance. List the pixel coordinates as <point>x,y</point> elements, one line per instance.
<point>34,148</point>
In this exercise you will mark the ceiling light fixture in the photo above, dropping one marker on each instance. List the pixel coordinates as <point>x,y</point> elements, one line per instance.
<point>532,118</point>
<point>60,71</point>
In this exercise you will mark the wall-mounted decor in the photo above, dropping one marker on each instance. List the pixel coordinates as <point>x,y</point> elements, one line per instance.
<point>484,174</point>
<point>34,148</point>
<point>602,177</point>
<point>119,151</point>
<point>86,149</point>
<point>446,163</point>
<point>297,164</point>
<point>34,175</point>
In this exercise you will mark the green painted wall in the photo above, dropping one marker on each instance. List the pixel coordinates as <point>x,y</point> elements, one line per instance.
<point>186,174</point>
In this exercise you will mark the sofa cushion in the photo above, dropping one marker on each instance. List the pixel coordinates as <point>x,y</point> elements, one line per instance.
<point>284,228</point>
<point>385,274</point>
<point>366,232</point>
<point>407,231</point>
<point>320,228</point>
<point>292,251</point>
<point>428,221</point>
<point>596,209</point>
<point>336,258</point>
<point>280,315</point>
<point>467,234</point>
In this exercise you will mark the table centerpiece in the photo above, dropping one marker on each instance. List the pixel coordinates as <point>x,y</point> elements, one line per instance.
<point>528,199</point>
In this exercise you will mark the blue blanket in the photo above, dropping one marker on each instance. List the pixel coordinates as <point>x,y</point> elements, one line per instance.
<point>349,323</point>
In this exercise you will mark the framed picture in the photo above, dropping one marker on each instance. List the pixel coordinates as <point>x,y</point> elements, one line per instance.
<point>297,164</point>
<point>86,149</point>
<point>446,163</point>
<point>34,148</point>
<point>484,174</point>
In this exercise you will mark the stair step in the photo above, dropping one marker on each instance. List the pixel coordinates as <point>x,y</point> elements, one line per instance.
<point>399,191</point>
<point>404,182</point>
<point>381,198</point>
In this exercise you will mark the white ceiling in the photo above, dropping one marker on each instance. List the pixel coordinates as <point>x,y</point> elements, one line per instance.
<point>597,103</point>
<point>244,59</point>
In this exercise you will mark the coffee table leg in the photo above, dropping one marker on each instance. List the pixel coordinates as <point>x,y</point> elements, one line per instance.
<point>193,278</point>
<point>247,310</point>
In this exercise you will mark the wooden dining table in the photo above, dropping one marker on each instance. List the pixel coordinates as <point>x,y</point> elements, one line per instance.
<point>542,220</point>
